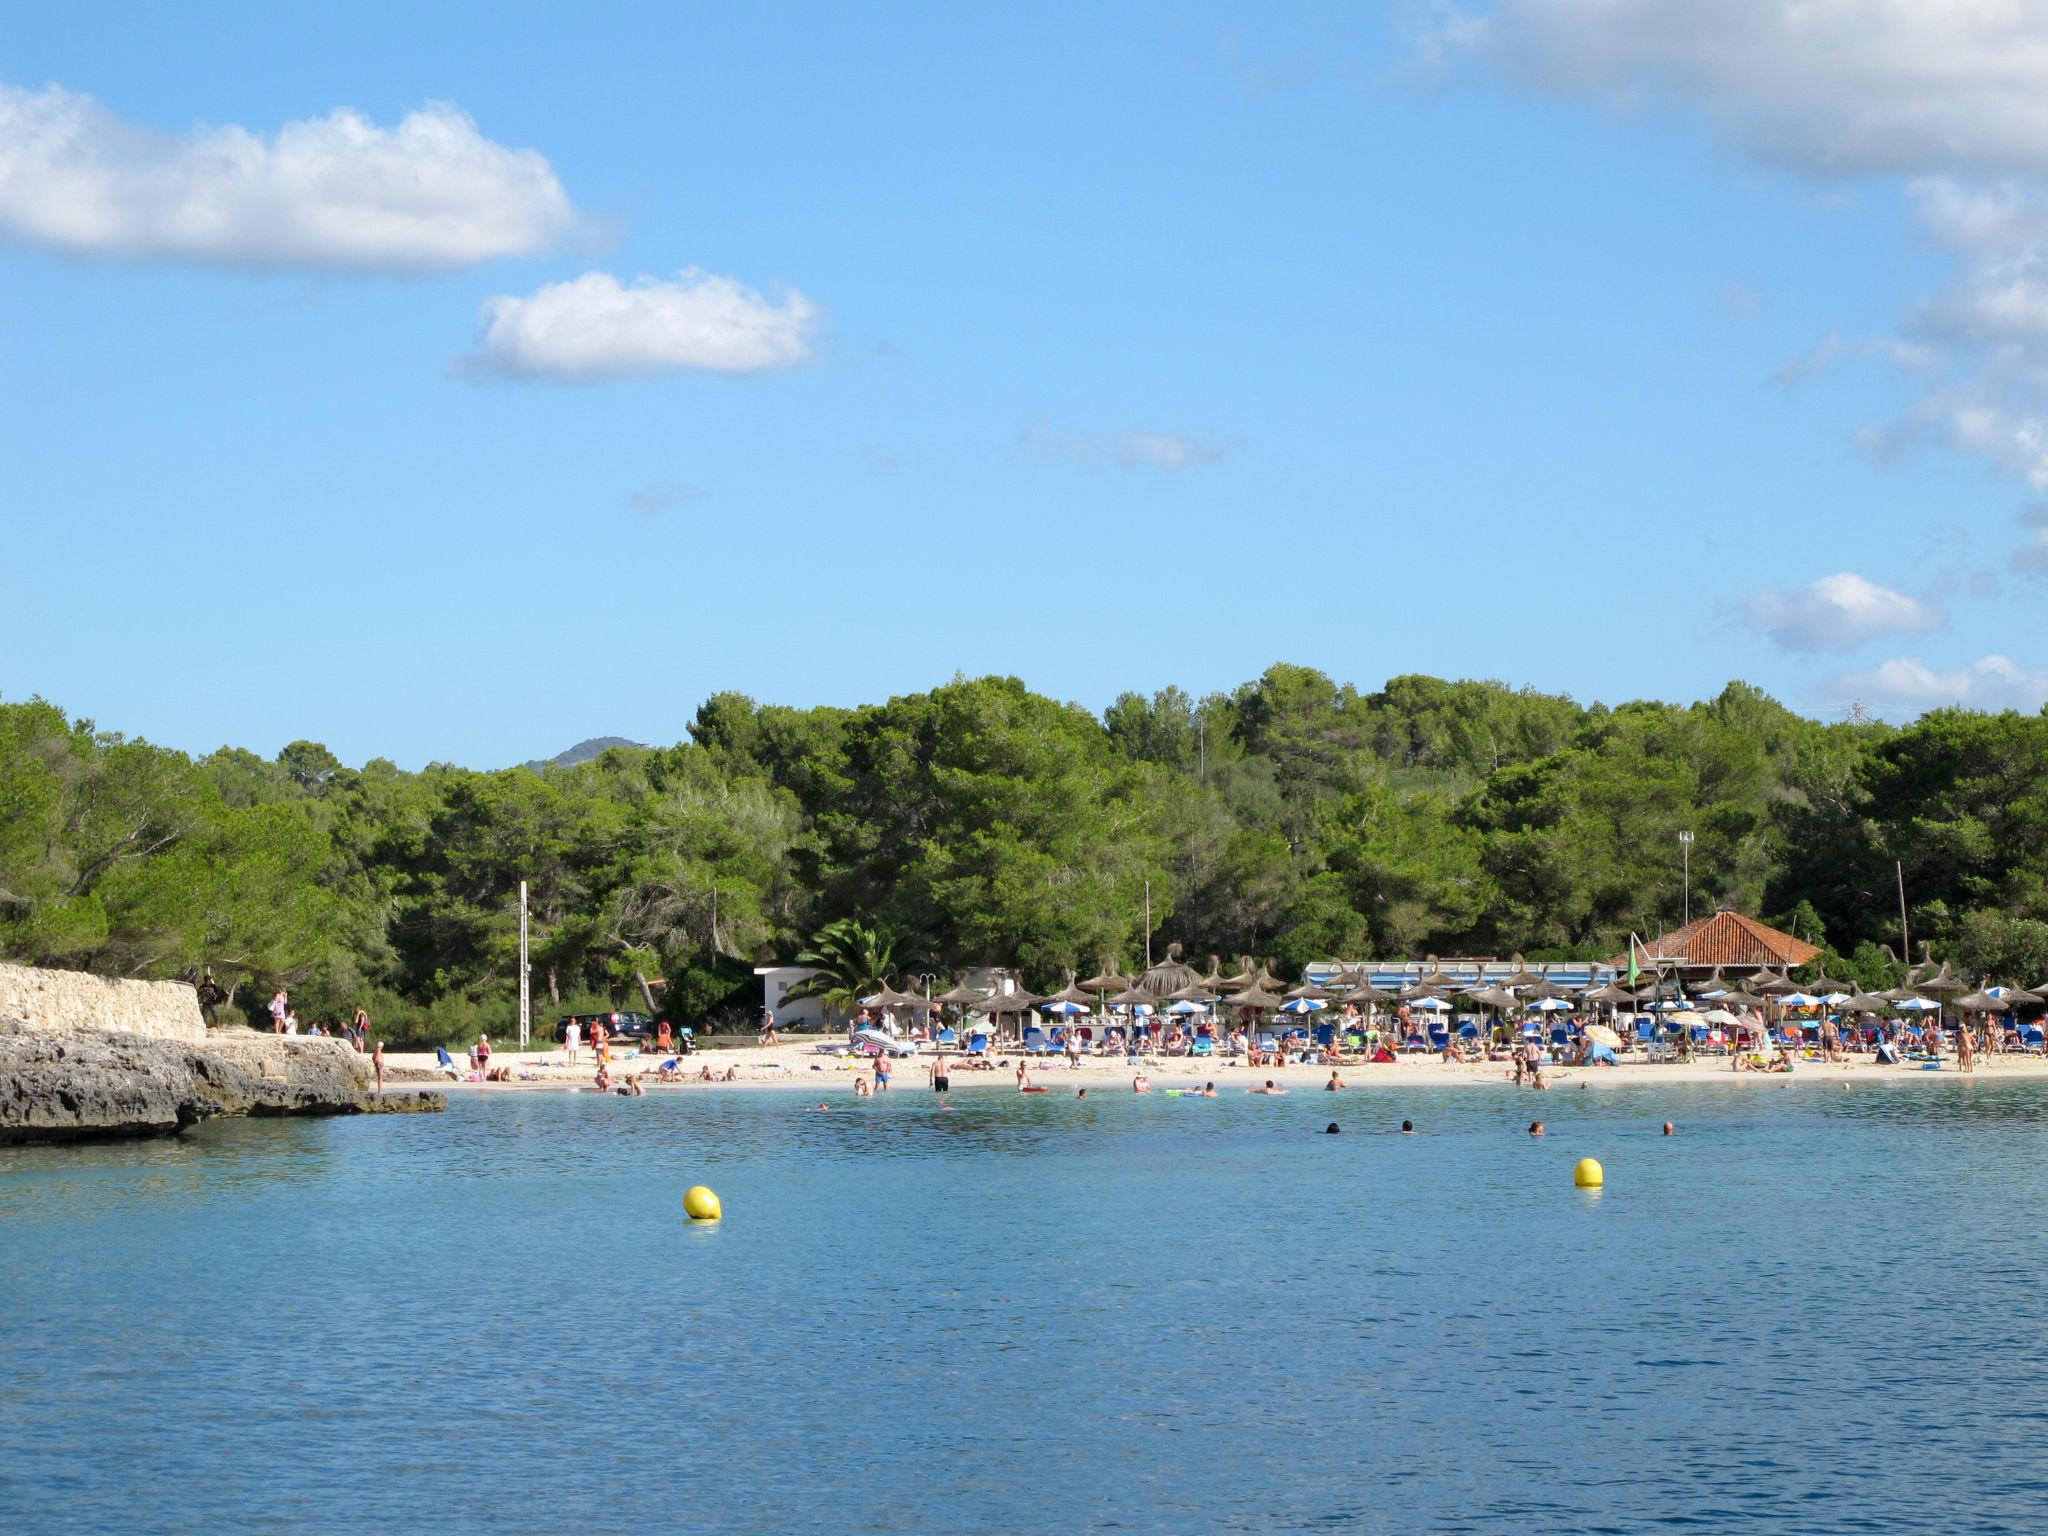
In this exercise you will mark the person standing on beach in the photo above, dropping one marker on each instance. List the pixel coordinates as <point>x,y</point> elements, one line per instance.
<point>359,1028</point>
<point>377,1061</point>
<point>767,1035</point>
<point>280,1005</point>
<point>483,1053</point>
<point>1966,1048</point>
<point>942,1080</point>
<point>882,1073</point>
<point>572,1035</point>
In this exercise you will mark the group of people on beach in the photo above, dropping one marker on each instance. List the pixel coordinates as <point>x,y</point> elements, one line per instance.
<point>284,1019</point>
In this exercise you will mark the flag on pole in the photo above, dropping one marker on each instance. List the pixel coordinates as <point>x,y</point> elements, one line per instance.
<point>1634,970</point>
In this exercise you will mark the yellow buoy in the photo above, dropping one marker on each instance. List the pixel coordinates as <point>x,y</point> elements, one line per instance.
<point>1588,1175</point>
<point>700,1204</point>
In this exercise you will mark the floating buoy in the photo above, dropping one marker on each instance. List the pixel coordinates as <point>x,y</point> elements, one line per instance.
<point>1588,1175</point>
<point>700,1204</point>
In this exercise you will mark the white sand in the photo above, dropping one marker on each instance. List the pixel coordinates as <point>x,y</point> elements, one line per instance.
<point>800,1065</point>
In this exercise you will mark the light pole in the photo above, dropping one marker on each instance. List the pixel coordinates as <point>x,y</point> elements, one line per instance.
<point>1685,853</point>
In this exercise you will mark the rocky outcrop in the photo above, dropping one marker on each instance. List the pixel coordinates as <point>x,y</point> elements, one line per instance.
<point>68,1001</point>
<point>97,1084</point>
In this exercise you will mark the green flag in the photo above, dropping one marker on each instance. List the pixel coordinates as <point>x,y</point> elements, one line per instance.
<point>1634,970</point>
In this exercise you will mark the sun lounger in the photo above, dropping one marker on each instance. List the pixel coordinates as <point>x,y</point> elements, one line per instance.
<point>2033,1040</point>
<point>1204,1046</point>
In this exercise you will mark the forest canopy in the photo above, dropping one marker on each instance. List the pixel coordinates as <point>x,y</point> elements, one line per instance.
<point>981,823</point>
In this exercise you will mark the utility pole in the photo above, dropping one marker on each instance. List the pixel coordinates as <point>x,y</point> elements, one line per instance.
<point>525,976</point>
<point>1685,851</point>
<point>1905,938</point>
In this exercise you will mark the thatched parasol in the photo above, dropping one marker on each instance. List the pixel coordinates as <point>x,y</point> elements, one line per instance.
<point>1941,985</point>
<point>1071,993</point>
<point>1107,980</point>
<point>1246,974</point>
<point>1545,987</point>
<point>1008,1002</point>
<point>1769,982</point>
<point>1368,994</point>
<point>1310,992</point>
<point>1497,996</point>
<point>1521,976</point>
<point>1740,999</point>
<point>1613,992</point>
<point>1266,978</point>
<point>889,997</point>
<point>961,995</point>
<point>1253,997</point>
<point>1982,1002</point>
<point>1860,1001</point>
<point>1168,976</point>
<point>1195,993</point>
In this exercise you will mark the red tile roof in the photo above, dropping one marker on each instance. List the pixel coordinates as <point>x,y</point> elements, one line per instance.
<point>1728,938</point>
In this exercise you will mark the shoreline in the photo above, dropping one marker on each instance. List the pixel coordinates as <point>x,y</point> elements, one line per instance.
<point>799,1068</point>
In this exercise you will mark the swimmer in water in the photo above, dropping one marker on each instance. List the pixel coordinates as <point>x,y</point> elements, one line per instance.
<point>1672,1130</point>
<point>1208,1091</point>
<point>1080,1093</point>
<point>1330,1129</point>
<point>1535,1127</point>
<point>1407,1127</point>
<point>1334,1084</point>
<point>1269,1091</point>
<point>1141,1084</point>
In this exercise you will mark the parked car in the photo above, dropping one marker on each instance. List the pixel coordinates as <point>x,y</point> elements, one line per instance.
<point>620,1026</point>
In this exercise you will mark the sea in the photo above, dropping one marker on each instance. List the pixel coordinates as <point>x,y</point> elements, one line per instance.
<point>1813,1309</point>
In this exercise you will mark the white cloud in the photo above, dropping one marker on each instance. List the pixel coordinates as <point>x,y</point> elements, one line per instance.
<point>1838,613</point>
<point>327,193</point>
<point>595,327</point>
<point>1169,452</point>
<point>1990,682</point>
<point>1827,87</point>
<point>1949,95</point>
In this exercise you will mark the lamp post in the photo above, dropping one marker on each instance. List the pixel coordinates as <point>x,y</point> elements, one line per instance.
<point>1685,853</point>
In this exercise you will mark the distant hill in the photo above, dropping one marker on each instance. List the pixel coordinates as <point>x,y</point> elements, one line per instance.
<point>582,752</point>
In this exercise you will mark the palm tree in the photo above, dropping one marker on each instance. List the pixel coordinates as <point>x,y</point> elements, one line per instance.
<point>850,959</point>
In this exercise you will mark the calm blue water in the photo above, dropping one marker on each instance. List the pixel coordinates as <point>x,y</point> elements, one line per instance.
<point>1811,1311</point>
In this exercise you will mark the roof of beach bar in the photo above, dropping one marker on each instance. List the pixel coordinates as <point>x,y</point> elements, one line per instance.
<point>1728,938</point>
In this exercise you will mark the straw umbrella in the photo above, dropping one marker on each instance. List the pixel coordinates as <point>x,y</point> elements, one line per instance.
<point>1521,975</point>
<point>1169,975</point>
<point>1107,980</point>
<point>1246,974</point>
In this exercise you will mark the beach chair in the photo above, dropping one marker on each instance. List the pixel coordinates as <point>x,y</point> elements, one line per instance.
<point>1268,1042</point>
<point>1439,1036</point>
<point>1204,1046</point>
<point>1326,1035</point>
<point>1469,1032</point>
<point>1560,1039</point>
<point>977,1044</point>
<point>1034,1041</point>
<point>946,1037</point>
<point>447,1062</point>
<point>2033,1039</point>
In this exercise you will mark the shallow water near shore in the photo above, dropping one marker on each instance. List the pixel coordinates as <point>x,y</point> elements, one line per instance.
<point>1812,1310</point>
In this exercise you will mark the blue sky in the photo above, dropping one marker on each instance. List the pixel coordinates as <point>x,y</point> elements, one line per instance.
<point>1109,350</point>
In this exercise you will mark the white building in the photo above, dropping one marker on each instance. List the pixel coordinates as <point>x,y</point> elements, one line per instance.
<point>776,981</point>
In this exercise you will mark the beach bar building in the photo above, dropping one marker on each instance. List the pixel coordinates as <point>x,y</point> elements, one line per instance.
<point>1726,941</point>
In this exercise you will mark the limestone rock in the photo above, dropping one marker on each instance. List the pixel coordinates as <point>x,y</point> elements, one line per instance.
<point>66,1086</point>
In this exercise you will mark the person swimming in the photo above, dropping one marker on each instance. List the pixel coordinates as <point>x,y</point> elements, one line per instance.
<point>1407,1127</point>
<point>1333,1084</point>
<point>1535,1127</point>
<point>1330,1129</point>
<point>1269,1090</point>
<point>1141,1084</point>
<point>1670,1129</point>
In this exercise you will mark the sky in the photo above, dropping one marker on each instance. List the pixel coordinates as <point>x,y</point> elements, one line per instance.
<point>455,383</point>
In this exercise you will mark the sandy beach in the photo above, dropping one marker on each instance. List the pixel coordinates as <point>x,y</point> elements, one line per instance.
<point>802,1065</point>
